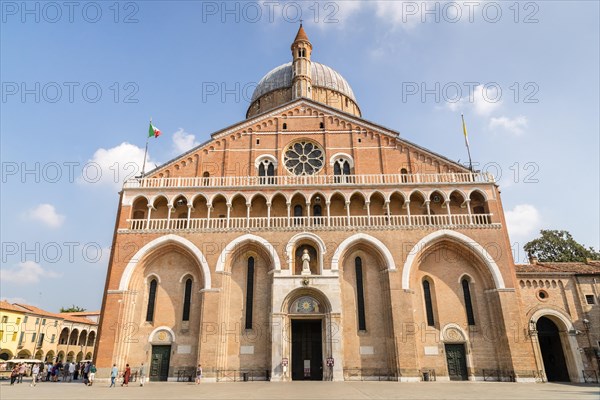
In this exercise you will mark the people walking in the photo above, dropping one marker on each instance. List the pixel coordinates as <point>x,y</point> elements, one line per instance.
<point>198,374</point>
<point>55,372</point>
<point>22,368</point>
<point>86,371</point>
<point>92,375</point>
<point>142,374</point>
<point>14,374</point>
<point>77,369</point>
<point>71,371</point>
<point>114,372</point>
<point>35,371</point>
<point>49,372</point>
<point>126,375</point>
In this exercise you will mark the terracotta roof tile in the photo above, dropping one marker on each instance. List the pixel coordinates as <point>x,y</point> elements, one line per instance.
<point>39,311</point>
<point>590,267</point>
<point>5,305</point>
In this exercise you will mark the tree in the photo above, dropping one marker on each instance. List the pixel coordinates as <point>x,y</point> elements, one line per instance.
<point>559,246</point>
<point>73,308</point>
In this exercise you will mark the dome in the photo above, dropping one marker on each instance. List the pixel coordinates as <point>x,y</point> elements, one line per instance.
<point>322,76</point>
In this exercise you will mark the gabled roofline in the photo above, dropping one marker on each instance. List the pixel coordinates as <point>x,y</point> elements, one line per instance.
<point>323,107</point>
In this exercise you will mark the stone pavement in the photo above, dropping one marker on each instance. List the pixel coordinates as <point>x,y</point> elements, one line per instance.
<point>305,391</point>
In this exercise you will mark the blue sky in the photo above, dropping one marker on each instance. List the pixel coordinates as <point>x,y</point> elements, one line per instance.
<point>79,85</point>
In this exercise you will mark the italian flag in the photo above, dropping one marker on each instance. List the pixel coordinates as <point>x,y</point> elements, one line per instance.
<point>153,131</point>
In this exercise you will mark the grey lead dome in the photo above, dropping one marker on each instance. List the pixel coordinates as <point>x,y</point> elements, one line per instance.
<point>322,76</point>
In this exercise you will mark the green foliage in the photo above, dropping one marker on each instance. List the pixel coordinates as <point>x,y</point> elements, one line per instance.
<point>73,308</point>
<point>559,246</point>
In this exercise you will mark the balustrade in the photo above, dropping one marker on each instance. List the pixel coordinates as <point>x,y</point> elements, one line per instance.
<point>309,180</point>
<point>320,222</point>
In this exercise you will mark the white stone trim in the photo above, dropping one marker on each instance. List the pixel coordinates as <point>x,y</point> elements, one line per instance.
<point>385,252</point>
<point>289,248</point>
<point>543,312</point>
<point>263,157</point>
<point>345,156</point>
<point>457,237</point>
<point>243,239</point>
<point>161,328</point>
<point>154,244</point>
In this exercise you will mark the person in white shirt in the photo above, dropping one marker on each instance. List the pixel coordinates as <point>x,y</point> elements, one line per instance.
<point>35,371</point>
<point>142,374</point>
<point>71,371</point>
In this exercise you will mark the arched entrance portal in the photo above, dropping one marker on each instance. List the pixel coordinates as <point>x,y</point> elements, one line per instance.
<point>308,339</point>
<point>552,351</point>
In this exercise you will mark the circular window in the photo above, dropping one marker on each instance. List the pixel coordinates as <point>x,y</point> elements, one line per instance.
<point>303,158</point>
<point>542,295</point>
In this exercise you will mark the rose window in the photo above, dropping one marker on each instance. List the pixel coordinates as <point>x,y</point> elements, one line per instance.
<point>303,158</point>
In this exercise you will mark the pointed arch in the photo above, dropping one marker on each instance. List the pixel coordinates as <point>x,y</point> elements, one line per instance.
<point>363,237</point>
<point>158,242</point>
<point>471,244</point>
<point>230,248</point>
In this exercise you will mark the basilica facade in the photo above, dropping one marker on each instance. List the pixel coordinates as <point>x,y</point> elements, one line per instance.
<point>307,243</point>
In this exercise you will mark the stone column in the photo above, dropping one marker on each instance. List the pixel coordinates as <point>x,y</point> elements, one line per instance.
<point>228,214</point>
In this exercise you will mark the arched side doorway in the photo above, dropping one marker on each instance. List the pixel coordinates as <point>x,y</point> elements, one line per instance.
<point>551,350</point>
<point>555,346</point>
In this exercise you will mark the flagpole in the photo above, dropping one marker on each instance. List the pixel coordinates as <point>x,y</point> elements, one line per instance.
<point>146,151</point>
<point>467,142</point>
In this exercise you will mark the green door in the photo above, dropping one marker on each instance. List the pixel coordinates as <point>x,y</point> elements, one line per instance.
<point>457,362</point>
<point>159,366</point>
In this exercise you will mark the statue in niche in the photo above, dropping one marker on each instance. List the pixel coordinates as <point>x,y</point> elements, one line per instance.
<point>305,262</point>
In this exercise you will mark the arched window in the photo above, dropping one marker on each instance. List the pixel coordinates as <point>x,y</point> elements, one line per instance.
<point>360,295</point>
<point>468,303</point>
<point>249,292</point>
<point>428,303</point>
<point>266,168</point>
<point>342,168</point>
<point>403,173</point>
<point>151,300</point>
<point>317,214</point>
<point>187,299</point>
<point>298,211</point>
<point>284,125</point>
<point>205,177</point>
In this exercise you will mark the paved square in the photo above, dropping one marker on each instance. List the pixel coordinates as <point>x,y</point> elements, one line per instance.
<point>306,390</point>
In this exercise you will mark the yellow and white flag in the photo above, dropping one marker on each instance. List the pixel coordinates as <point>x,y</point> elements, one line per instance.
<point>465,130</point>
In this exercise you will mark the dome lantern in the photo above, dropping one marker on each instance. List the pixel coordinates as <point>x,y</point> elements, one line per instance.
<point>302,77</point>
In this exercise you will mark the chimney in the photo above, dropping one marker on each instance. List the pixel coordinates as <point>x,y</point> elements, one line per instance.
<point>533,259</point>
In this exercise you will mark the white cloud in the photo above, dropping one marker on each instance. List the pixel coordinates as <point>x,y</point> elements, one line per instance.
<point>482,100</point>
<point>26,273</point>
<point>402,14</point>
<point>114,165</point>
<point>515,126</point>
<point>46,214</point>
<point>183,141</point>
<point>522,220</point>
